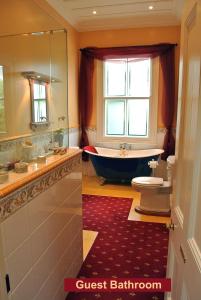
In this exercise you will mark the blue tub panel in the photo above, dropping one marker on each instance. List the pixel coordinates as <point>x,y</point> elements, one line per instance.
<point>120,169</point>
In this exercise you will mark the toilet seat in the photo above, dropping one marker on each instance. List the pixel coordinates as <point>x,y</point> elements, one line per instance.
<point>147,181</point>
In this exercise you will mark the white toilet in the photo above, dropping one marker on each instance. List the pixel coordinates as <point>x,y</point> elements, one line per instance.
<point>155,192</point>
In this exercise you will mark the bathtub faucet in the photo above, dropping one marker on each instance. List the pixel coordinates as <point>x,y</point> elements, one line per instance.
<point>123,146</point>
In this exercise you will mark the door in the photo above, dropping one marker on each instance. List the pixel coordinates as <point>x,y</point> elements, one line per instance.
<point>184,261</point>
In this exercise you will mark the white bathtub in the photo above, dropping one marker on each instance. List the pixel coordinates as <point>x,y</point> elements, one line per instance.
<point>106,152</point>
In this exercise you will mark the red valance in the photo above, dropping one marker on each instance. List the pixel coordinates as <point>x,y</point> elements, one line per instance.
<point>147,51</point>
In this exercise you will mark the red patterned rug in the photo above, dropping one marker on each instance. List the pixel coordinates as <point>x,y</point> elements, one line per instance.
<point>124,249</point>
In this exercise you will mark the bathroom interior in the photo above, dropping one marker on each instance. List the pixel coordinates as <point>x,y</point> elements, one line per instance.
<point>91,182</point>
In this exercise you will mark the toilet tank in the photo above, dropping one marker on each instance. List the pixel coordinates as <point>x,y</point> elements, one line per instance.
<point>170,167</point>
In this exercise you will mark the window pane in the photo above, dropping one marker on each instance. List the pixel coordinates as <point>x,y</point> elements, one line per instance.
<point>139,77</point>
<point>39,91</point>
<point>40,110</point>
<point>36,91</point>
<point>115,117</point>
<point>42,91</point>
<point>115,78</point>
<point>138,116</point>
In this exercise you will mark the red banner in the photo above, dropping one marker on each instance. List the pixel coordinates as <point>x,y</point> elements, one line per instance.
<point>117,285</point>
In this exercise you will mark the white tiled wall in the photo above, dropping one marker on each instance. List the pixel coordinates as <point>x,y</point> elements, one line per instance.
<point>11,150</point>
<point>42,242</point>
<point>74,137</point>
<point>92,135</point>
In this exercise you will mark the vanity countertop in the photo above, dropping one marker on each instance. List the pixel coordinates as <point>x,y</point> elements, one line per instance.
<point>17,180</point>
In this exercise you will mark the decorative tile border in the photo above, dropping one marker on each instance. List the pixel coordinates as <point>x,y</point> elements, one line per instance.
<point>17,199</point>
<point>91,129</point>
<point>74,134</point>
<point>161,130</point>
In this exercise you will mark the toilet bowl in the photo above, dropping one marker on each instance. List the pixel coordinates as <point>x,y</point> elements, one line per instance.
<point>155,192</point>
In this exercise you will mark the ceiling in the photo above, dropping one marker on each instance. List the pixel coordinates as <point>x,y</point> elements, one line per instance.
<point>116,14</point>
<point>24,16</point>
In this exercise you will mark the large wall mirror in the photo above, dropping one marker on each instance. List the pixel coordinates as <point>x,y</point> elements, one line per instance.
<point>33,82</point>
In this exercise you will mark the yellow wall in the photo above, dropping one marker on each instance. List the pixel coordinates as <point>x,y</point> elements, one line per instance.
<point>73,45</point>
<point>129,37</point>
<point>32,16</point>
<point>73,67</point>
<point>20,16</point>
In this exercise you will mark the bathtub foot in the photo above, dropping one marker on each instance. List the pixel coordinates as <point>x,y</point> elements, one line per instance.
<point>102,180</point>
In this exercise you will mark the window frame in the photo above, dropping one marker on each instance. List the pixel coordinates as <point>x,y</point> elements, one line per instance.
<point>44,122</point>
<point>39,100</point>
<point>153,108</point>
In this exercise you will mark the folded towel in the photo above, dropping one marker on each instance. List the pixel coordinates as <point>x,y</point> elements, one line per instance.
<point>90,149</point>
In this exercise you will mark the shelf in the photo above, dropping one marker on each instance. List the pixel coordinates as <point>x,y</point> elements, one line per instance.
<point>39,77</point>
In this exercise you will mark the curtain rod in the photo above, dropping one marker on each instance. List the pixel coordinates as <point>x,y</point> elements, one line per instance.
<point>118,47</point>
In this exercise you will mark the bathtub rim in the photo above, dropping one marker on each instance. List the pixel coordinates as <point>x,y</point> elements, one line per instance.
<point>125,157</point>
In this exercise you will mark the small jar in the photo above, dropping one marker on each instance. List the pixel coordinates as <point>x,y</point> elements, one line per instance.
<point>3,176</point>
<point>21,167</point>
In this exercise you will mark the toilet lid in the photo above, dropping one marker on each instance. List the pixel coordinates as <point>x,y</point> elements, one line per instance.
<point>148,181</point>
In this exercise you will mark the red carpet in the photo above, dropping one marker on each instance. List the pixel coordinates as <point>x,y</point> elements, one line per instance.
<point>122,248</point>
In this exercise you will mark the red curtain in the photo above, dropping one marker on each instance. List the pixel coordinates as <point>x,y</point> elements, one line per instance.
<point>166,54</point>
<point>85,95</point>
<point>168,100</point>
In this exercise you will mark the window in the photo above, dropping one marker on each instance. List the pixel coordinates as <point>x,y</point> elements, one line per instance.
<point>39,96</point>
<point>129,101</point>
<point>39,102</point>
<point>127,91</point>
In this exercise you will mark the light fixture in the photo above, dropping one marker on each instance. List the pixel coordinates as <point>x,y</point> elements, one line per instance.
<point>38,33</point>
<point>94,12</point>
<point>151,7</point>
<point>39,77</point>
